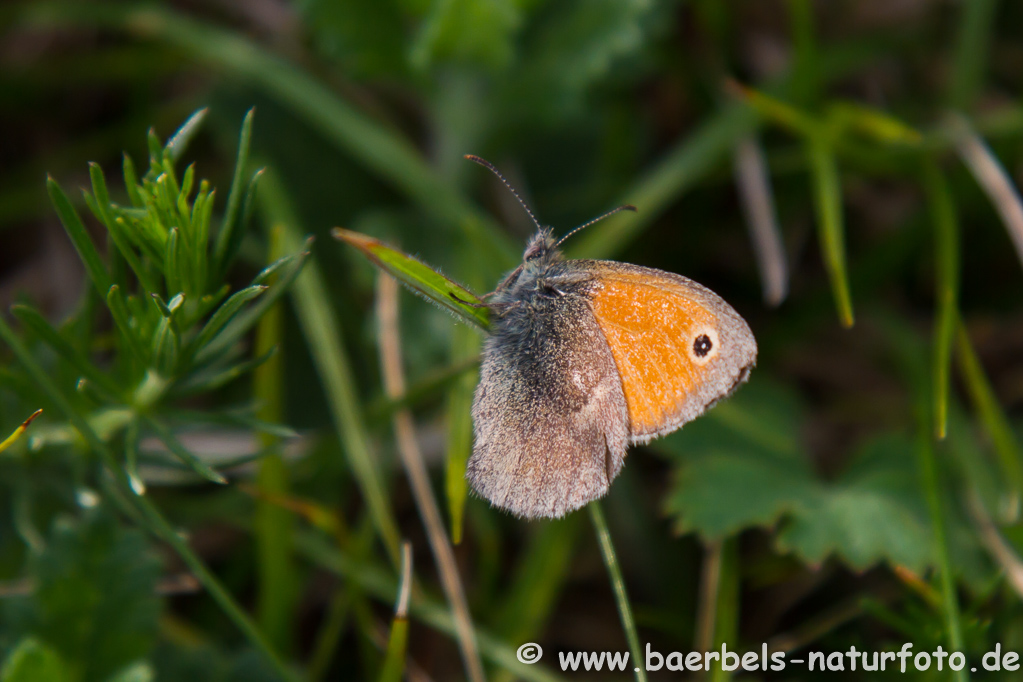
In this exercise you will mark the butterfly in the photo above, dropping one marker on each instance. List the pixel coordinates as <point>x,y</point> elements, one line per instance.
<point>587,357</point>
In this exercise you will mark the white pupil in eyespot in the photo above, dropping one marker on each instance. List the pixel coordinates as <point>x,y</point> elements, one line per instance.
<point>702,345</point>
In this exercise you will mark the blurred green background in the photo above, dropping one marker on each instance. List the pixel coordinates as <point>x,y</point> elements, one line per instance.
<point>845,174</point>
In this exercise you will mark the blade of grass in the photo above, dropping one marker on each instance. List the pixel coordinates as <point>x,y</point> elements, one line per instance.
<point>179,450</point>
<point>911,357</point>
<point>971,55</point>
<point>179,141</point>
<point>992,178</point>
<point>419,478</point>
<point>277,581</point>
<point>679,171</point>
<point>985,404</point>
<point>828,202</point>
<point>16,434</point>
<point>946,236</point>
<point>420,278</point>
<point>394,660</point>
<point>151,517</point>
<point>465,346</point>
<point>607,551</point>
<point>380,583</point>
<point>323,335</point>
<point>726,606</point>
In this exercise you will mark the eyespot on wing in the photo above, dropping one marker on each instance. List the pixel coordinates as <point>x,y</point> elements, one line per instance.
<point>678,346</point>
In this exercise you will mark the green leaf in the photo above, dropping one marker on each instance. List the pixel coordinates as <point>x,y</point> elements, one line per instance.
<point>231,228</point>
<point>95,599</point>
<point>420,278</point>
<point>79,237</point>
<point>874,512</point>
<point>477,32</point>
<point>828,202</point>
<point>178,142</point>
<point>122,320</point>
<point>224,314</point>
<point>38,324</point>
<point>33,661</point>
<point>178,449</point>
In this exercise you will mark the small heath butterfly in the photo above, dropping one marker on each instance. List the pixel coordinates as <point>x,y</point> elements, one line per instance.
<point>586,357</point>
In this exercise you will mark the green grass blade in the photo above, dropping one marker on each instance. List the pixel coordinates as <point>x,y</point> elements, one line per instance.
<point>277,579</point>
<point>828,202</point>
<point>465,346</point>
<point>393,668</point>
<point>976,27</point>
<point>607,550</point>
<point>229,238</point>
<point>420,278</point>
<point>991,415</point>
<point>79,237</point>
<point>323,335</point>
<point>709,146</point>
<point>726,607</point>
<point>946,235</point>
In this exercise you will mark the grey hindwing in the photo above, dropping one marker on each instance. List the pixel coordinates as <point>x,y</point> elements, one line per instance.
<point>550,417</point>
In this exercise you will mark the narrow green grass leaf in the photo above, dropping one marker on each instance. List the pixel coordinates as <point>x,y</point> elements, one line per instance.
<point>420,278</point>
<point>277,578</point>
<point>972,50</point>
<point>465,345</point>
<point>991,415</point>
<point>231,228</point>
<point>607,550</point>
<point>828,202</point>
<point>79,237</point>
<point>393,668</point>
<point>32,319</point>
<point>179,141</point>
<point>680,170</point>
<point>946,236</point>
<point>323,335</point>
<point>871,123</point>
<point>165,347</point>
<point>216,375</point>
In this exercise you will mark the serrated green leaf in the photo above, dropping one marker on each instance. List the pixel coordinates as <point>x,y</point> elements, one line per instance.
<point>95,599</point>
<point>420,278</point>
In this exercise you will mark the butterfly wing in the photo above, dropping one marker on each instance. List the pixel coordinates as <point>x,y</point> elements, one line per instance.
<point>550,416</point>
<point>677,345</point>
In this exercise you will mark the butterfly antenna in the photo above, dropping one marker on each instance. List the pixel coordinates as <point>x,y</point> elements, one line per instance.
<point>626,207</point>
<point>490,166</point>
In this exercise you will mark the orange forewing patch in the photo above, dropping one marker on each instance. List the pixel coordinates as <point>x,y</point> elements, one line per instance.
<point>649,324</point>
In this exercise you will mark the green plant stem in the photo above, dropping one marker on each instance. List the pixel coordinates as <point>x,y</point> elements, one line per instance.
<point>828,201</point>
<point>151,517</point>
<point>277,581</point>
<point>985,403</point>
<point>607,550</point>
<point>946,237</point>
<point>927,460</point>
<point>726,606</point>
<point>972,51</point>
